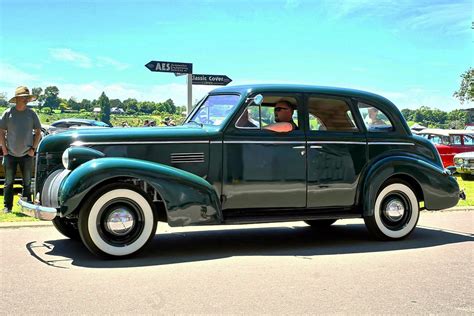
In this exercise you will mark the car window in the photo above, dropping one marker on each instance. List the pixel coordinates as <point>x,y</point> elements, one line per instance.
<point>263,116</point>
<point>374,119</point>
<point>468,141</point>
<point>328,114</point>
<point>216,109</point>
<point>456,140</point>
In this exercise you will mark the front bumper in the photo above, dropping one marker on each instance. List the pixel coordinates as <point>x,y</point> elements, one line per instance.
<point>465,169</point>
<point>37,211</point>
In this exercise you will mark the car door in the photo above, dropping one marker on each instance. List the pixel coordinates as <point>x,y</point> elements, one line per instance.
<point>263,168</point>
<point>337,152</point>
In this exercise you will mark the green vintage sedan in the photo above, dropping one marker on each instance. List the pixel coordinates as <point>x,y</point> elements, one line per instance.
<point>347,154</point>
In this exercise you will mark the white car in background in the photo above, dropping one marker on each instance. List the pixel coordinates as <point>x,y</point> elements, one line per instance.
<point>464,163</point>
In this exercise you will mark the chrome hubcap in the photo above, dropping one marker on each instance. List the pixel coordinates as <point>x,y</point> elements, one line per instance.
<point>120,222</point>
<point>394,210</point>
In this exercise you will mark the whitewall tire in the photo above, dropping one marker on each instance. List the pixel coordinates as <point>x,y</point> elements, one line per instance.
<point>396,212</point>
<point>117,221</point>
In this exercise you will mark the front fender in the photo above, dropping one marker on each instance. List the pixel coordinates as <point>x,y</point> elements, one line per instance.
<point>188,198</point>
<point>439,189</point>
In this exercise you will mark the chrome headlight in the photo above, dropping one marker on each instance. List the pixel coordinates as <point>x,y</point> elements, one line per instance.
<point>76,156</point>
<point>65,159</point>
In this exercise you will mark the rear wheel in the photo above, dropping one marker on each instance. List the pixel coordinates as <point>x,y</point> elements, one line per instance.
<point>396,212</point>
<point>67,227</point>
<point>117,221</point>
<point>320,224</point>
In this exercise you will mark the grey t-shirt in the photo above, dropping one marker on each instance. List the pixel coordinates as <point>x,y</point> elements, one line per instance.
<point>19,126</point>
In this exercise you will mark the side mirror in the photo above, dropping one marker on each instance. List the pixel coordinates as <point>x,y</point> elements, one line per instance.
<point>258,99</point>
<point>451,169</point>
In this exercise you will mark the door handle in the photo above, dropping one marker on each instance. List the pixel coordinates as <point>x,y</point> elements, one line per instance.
<point>316,147</point>
<point>299,147</point>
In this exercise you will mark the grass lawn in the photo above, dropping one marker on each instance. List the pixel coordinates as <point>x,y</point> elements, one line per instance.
<point>16,216</point>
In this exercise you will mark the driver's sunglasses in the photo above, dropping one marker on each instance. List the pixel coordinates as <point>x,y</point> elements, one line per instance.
<point>278,109</point>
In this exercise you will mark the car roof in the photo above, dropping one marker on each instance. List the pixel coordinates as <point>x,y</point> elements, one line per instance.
<point>299,88</point>
<point>445,132</point>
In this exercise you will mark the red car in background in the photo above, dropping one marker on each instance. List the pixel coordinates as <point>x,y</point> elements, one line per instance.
<point>449,142</point>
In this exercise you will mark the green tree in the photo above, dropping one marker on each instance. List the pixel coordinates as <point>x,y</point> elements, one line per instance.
<point>40,97</point>
<point>466,90</point>
<point>73,104</point>
<point>116,103</point>
<point>104,105</point>
<point>171,108</point>
<point>51,97</point>
<point>3,99</point>
<point>130,106</point>
<point>86,105</point>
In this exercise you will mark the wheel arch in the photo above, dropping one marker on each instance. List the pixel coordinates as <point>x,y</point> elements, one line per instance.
<point>188,199</point>
<point>430,184</point>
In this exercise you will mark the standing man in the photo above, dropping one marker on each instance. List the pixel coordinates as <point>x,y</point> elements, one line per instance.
<point>18,143</point>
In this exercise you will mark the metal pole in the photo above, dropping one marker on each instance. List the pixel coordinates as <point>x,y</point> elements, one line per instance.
<point>190,92</point>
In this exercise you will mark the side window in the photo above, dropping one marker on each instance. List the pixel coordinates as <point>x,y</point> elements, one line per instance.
<point>436,139</point>
<point>374,119</point>
<point>326,114</point>
<point>456,139</point>
<point>468,141</point>
<point>273,111</point>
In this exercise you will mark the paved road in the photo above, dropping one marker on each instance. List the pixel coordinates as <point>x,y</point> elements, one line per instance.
<point>253,269</point>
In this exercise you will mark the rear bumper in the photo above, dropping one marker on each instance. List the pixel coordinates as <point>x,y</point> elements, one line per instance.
<point>37,211</point>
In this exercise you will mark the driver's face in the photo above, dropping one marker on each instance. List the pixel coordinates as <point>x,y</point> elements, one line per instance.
<point>283,113</point>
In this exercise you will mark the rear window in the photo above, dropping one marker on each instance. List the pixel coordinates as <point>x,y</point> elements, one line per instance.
<point>327,114</point>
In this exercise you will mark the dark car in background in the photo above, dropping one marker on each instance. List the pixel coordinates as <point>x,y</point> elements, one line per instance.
<point>75,123</point>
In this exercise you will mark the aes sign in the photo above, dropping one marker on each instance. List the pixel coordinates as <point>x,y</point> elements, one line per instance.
<point>166,66</point>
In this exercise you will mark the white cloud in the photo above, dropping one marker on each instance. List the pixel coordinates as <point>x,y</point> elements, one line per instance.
<point>66,54</point>
<point>11,75</point>
<point>83,61</point>
<point>107,61</point>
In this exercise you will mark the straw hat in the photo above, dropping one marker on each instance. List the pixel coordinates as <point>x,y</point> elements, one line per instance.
<point>22,92</point>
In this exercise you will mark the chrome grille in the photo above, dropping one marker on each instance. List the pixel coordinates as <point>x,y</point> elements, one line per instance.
<point>187,157</point>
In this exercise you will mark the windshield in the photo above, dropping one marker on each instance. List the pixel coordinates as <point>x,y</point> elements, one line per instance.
<point>215,110</point>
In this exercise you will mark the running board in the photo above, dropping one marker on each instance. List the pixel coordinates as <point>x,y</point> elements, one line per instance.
<point>250,216</point>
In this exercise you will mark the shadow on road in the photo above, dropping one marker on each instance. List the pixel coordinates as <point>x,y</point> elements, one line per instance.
<point>298,241</point>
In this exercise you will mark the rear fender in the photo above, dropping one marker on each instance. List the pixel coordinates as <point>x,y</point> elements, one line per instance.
<point>189,199</point>
<point>439,189</point>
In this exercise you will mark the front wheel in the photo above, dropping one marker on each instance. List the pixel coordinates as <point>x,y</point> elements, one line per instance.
<point>67,227</point>
<point>117,221</point>
<point>396,213</point>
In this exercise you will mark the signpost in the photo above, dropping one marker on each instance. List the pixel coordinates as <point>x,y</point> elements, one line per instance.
<point>180,69</point>
<point>174,67</point>
<point>211,80</point>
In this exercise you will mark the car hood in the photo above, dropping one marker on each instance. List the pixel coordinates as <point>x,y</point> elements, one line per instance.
<point>59,142</point>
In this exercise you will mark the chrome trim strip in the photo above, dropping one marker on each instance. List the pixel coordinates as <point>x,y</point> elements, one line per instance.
<point>80,143</point>
<point>37,211</point>
<point>216,142</point>
<point>391,143</point>
<point>262,142</point>
<point>336,142</point>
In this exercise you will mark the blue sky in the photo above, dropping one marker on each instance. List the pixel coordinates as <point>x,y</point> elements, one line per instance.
<point>411,52</point>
